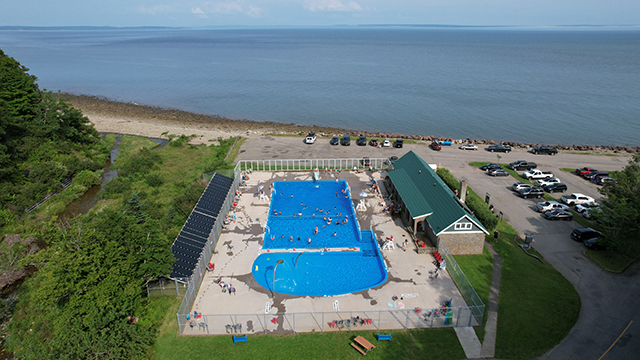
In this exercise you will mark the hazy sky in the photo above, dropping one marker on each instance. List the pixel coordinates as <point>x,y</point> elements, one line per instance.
<point>317,12</point>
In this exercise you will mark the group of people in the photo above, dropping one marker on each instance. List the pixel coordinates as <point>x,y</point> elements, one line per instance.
<point>226,287</point>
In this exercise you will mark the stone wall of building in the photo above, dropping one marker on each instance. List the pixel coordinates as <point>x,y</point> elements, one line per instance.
<point>464,244</point>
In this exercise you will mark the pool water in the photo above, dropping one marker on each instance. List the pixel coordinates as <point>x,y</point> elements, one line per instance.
<point>297,208</point>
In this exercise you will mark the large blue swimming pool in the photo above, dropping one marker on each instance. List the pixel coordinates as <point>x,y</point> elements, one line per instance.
<point>291,223</point>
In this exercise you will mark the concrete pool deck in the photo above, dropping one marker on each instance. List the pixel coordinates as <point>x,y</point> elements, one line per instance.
<point>256,310</point>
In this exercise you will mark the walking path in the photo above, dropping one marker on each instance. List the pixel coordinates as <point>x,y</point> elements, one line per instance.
<point>491,327</point>
<point>467,336</point>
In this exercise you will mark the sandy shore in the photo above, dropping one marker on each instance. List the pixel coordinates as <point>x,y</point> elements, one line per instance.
<point>149,121</point>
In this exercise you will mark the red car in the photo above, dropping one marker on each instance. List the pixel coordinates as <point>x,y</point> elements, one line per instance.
<point>585,170</point>
<point>436,146</point>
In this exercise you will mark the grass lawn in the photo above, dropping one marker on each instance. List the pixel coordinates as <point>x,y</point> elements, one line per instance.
<point>478,269</point>
<point>614,261</point>
<point>538,306</point>
<point>417,344</point>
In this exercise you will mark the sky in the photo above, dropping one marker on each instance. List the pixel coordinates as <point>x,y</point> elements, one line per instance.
<point>201,13</point>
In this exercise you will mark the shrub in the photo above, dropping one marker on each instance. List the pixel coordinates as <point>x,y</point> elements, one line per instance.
<point>154,180</point>
<point>87,178</point>
<point>118,185</point>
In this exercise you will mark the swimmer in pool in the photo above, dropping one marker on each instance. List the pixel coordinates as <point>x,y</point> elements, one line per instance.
<point>316,230</point>
<point>309,240</point>
<point>291,238</point>
<point>335,233</point>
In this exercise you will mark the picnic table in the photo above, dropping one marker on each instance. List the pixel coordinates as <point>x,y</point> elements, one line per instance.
<point>364,343</point>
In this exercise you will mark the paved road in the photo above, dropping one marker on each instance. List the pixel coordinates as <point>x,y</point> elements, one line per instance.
<point>609,301</point>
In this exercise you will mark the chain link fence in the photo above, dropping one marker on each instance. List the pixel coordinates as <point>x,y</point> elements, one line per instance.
<point>471,314</point>
<point>283,323</point>
<point>464,286</point>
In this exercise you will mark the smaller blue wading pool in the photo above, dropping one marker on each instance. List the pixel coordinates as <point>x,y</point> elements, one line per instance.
<point>297,208</point>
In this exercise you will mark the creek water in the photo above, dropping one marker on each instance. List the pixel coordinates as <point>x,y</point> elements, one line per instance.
<point>89,199</point>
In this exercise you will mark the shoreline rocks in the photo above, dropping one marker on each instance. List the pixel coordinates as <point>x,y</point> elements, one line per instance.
<point>123,113</point>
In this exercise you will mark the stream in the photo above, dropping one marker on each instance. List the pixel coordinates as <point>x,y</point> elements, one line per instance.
<point>89,199</point>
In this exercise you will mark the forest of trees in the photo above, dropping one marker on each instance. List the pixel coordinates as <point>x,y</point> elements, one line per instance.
<point>87,298</point>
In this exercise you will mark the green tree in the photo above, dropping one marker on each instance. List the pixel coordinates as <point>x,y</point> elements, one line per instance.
<point>85,300</point>
<point>619,213</point>
<point>19,93</point>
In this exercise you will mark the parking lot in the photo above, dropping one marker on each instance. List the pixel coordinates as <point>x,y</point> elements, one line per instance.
<point>596,329</point>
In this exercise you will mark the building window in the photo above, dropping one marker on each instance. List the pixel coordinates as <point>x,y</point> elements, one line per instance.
<point>463,226</point>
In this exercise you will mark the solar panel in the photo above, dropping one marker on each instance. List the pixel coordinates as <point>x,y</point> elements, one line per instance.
<point>188,246</point>
<point>197,238</point>
<point>180,272</point>
<point>187,252</point>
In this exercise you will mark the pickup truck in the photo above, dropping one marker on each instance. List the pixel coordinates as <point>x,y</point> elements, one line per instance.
<point>548,181</point>
<point>576,199</point>
<point>544,150</point>
<point>522,165</point>
<point>537,174</point>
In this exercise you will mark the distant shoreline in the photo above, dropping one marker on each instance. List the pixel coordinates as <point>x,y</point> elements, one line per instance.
<point>131,118</point>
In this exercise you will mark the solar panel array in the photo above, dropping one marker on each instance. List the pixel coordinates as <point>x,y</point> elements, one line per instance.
<point>191,241</point>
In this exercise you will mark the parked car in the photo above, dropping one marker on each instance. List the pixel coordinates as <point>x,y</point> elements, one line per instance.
<point>537,174</point>
<point>550,205</point>
<point>490,167</point>
<point>582,234</point>
<point>558,215</point>
<point>531,192</point>
<point>436,146</point>
<point>576,198</point>
<point>592,244</point>
<point>398,143</point>
<point>366,161</point>
<point>373,142</point>
<point>604,179</point>
<point>520,185</point>
<point>588,214</point>
<point>555,187</point>
<point>311,138</point>
<point>386,143</point>
<point>346,140</point>
<point>598,175</point>
<point>499,148</point>
<point>584,170</point>
<point>522,165</point>
<point>362,141</point>
<point>469,147</point>
<point>586,206</point>
<point>391,160</point>
<point>544,150</point>
<point>498,172</point>
<point>334,141</point>
<point>548,181</point>
<point>590,174</point>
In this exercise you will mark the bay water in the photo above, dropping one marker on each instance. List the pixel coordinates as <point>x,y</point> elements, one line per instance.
<point>550,86</point>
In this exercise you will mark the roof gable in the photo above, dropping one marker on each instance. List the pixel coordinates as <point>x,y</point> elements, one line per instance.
<point>424,192</point>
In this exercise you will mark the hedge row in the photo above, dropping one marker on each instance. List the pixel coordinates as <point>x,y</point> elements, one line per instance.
<point>479,208</point>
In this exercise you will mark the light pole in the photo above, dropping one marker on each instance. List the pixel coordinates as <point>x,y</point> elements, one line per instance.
<point>273,283</point>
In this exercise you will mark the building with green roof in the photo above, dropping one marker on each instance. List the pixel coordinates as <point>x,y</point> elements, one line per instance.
<point>431,209</point>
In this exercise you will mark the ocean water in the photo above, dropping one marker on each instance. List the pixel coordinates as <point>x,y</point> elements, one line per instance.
<point>534,86</point>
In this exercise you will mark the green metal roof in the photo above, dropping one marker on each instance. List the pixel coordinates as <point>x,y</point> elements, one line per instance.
<point>424,193</point>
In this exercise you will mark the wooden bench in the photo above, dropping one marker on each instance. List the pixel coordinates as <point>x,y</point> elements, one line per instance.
<point>364,343</point>
<point>357,348</point>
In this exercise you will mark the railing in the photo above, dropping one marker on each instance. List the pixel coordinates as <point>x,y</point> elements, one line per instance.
<point>460,279</point>
<point>416,318</point>
<point>309,164</point>
<point>193,283</point>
